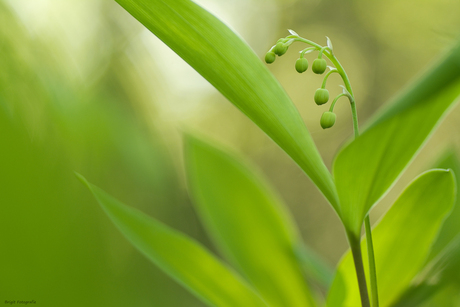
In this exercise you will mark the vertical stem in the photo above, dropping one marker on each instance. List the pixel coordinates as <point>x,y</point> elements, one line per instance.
<point>355,119</point>
<point>355,246</point>
<point>367,223</point>
<point>370,255</point>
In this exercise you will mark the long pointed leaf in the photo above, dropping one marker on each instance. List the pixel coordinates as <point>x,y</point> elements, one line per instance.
<point>229,64</point>
<point>402,240</point>
<point>180,257</point>
<point>367,167</point>
<point>248,223</point>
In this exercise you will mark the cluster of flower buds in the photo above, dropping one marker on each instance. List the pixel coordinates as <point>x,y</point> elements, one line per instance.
<point>279,49</point>
<point>319,66</point>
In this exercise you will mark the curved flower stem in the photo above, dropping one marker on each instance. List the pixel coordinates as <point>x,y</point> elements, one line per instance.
<point>354,243</point>
<point>327,76</point>
<point>331,108</point>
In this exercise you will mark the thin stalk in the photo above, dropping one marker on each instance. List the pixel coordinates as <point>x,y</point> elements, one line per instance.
<point>327,76</point>
<point>331,108</point>
<point>367,225</point>
<point>372,269</point>
<point>355,246</point>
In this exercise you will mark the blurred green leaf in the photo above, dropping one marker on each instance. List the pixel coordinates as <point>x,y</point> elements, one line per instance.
<point>230,65</point>
<point>367,167</point>
<point>402,240</point>
<point>316,269</point>
<point>180,257</point>
<point>247,221</point>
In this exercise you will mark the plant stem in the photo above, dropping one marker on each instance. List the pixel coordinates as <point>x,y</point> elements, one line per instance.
<point>355,246</point>
<point>372,269</point>
<point>367,223</point>
<point>354,242</point>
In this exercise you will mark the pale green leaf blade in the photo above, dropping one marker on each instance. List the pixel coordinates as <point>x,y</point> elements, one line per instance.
<point>366,168</point>
<point>402,240</point>
<point>451,228</point>
<point>247,221</point>
<point>179,256</point>
<point>443,263</point>
<point>230,65</point>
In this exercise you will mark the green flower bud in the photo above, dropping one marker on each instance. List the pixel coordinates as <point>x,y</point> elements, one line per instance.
<point>280,49</point>
<point>270,57</point>
<point>301,65</point>
<point>321,96</point>
<point>327,120</point>
<point>319,66</point>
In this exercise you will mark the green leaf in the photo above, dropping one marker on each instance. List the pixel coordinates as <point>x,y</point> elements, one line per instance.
<point>230,65</point>
<point>443,263</point>
<point>179,256</point>
<point>367,167</point>
<point>316,269</point>
<point>247,221</point>
<point>451,227</point>
<point>402,240</point>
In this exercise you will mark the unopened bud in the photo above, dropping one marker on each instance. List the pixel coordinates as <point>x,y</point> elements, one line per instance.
<point>321,96</point>
<point>301,65</point>
<point>319,66</point>
<point>270,57</point>
<point>327,120</point>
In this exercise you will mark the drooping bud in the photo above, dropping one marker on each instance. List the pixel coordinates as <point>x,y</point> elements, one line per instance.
<point>301,65</point>
<point>319,66</point>
<point>321,96</point>
<point>327,120</point>
<point>280,49</point>
<point>270,57</point>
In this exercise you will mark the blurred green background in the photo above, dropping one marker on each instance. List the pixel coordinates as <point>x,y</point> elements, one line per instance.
<point>84,87</point>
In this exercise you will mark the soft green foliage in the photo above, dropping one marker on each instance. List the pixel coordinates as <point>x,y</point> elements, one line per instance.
<point>443,263</point>
<point>228,63</point>
<point>248,222</point>
<point>179,256</point>
<point>402,240</point>
<point>80,96</point>
<point>367,167</point>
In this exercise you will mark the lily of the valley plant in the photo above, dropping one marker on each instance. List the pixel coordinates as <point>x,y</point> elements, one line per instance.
<point>401,262</point>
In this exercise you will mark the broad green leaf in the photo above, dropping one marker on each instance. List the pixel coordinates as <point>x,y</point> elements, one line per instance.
<point>183,259</point>
<point>402,240</point>
<point>451,228</point>
<point>230,65</point>
<point>367,167</point>
<point>247,221</point>
<point>443,263</point>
